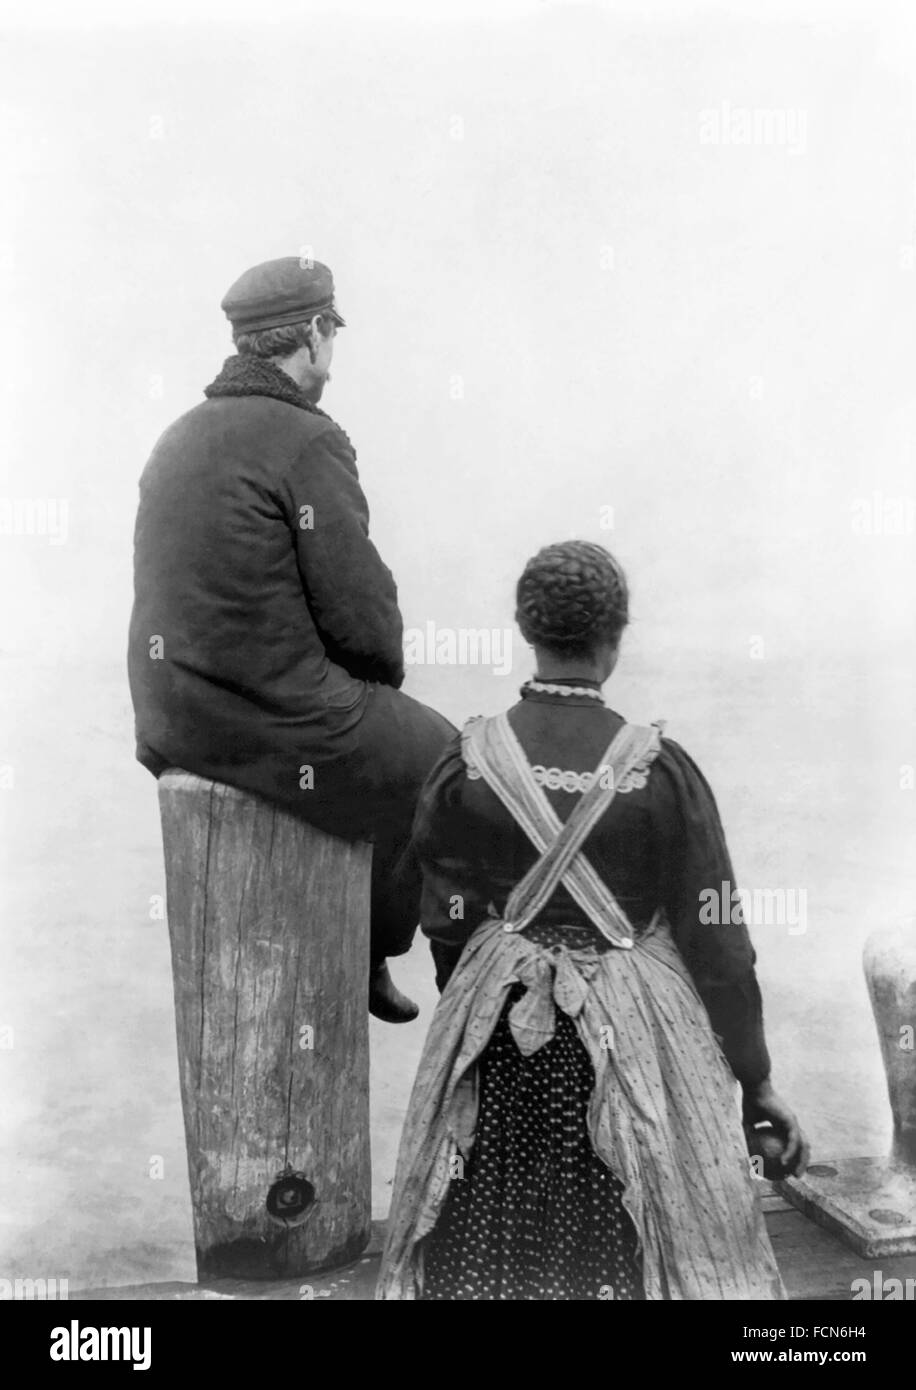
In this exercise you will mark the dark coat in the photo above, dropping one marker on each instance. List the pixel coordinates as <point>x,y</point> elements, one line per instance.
<point>260,629</point>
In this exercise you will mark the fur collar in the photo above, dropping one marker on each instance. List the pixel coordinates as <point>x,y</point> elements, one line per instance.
<point>246,375</point>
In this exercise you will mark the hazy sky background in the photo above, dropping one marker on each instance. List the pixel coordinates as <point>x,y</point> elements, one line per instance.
<point>562,297</point>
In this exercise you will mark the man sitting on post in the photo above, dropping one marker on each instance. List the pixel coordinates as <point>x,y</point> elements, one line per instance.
<point>266,641</point>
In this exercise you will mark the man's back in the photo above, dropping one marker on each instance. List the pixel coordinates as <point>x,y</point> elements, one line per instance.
<point>261,607</point>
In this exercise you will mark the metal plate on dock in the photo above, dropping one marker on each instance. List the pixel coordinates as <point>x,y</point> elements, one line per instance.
<point>868,1202</point>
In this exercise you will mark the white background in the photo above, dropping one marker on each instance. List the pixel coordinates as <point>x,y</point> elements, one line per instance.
<point>714,340</point>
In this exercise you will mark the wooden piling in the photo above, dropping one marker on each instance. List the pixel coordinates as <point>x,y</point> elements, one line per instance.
<point>269,928</point>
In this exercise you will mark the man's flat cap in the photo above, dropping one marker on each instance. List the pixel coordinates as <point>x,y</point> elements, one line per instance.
<point>277,293</point>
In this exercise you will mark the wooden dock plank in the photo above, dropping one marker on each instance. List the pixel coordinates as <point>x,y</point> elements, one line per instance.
<point>816,1265</point>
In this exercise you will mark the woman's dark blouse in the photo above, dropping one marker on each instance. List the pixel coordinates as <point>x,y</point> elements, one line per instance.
<point>657,846</point>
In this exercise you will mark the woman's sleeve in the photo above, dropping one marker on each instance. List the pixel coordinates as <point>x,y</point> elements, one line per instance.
<point>718,953</point>
<point>455,893</point>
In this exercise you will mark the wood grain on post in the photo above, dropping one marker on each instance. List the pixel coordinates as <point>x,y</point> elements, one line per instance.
<point>269,927</point>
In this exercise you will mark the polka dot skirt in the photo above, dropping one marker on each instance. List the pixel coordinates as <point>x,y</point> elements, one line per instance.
<point>535,1214</point>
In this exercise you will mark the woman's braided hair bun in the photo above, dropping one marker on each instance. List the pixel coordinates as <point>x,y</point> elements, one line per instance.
<point>571,597</point>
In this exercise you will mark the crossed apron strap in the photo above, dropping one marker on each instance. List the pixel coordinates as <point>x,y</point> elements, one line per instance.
<point>492,749</point>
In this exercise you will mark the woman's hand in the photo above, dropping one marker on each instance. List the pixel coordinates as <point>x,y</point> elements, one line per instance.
<point>761,1105</point>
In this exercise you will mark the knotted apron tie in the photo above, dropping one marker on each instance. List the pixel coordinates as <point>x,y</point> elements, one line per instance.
<point>552,981</point>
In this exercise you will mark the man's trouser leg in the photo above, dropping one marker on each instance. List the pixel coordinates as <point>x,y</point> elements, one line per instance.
<point>402,740</point>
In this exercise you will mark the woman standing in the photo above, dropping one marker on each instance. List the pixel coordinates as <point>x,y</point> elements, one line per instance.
<point>573,1130</point>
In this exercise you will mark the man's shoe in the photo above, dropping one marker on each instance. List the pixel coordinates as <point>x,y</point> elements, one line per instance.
<point>386,1001</point>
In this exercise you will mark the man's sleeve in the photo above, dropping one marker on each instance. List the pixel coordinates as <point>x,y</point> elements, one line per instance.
<point>350,592</point>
